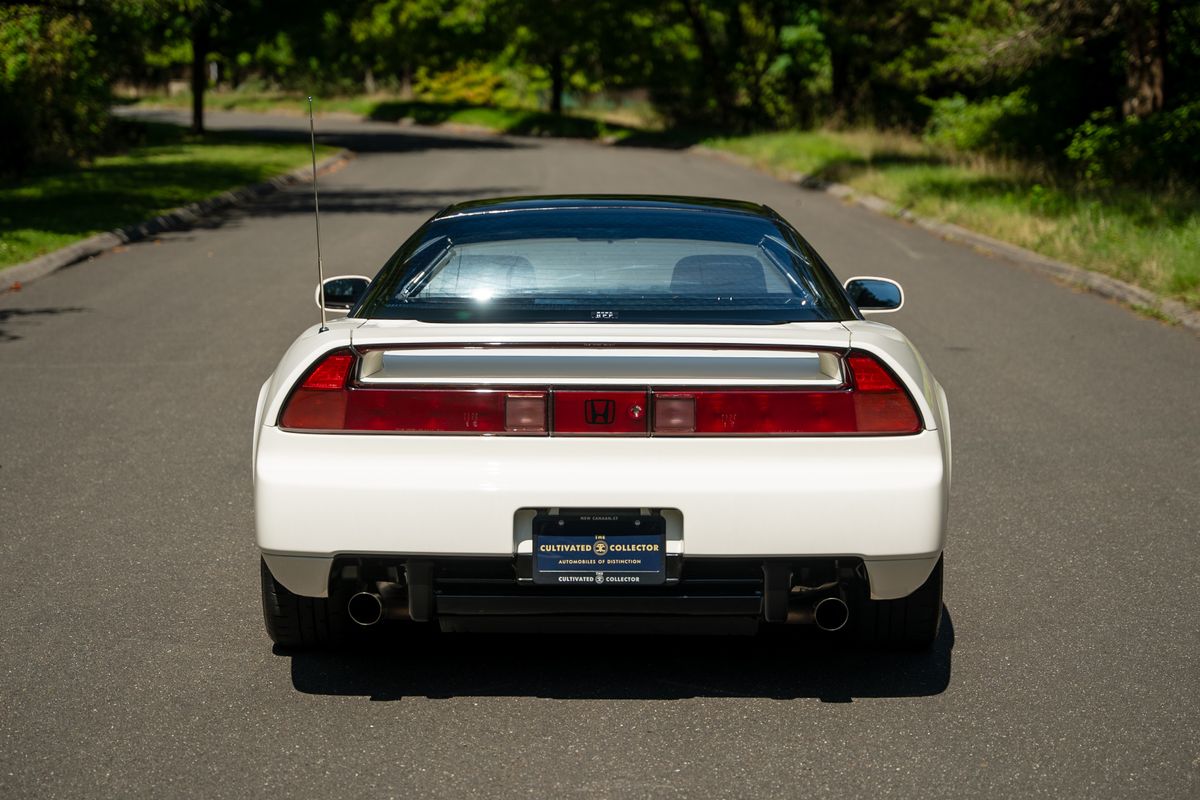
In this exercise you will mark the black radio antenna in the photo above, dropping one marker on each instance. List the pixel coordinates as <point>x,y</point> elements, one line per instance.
<point>312,137</point>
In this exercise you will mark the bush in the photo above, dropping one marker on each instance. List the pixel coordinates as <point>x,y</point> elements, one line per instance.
<point>992,125</point>
<point>54,95</point>
<point>470,82</point>
<point>1156,149</point>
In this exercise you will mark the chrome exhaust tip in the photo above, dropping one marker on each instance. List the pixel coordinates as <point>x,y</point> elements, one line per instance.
<point>365,608</point>
<point>831,614</point>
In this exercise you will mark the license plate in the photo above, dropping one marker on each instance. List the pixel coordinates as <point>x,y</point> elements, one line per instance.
<point>599,548</point>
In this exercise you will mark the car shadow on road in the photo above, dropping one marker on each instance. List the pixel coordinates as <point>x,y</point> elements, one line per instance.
<point>802,664</point>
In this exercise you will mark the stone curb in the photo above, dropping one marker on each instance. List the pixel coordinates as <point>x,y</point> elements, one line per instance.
<point>1098,283</point>
<point>173,220</point>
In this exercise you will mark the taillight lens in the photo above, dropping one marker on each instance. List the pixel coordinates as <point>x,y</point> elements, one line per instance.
<point>747,412</point>
<point>881,405</point>
<point>327,400</point>
<point>870,402</point>
<point>319,402</point>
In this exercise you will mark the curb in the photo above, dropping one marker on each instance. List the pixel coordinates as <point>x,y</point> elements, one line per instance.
<point>1098,283</point>
<point>173,220</point>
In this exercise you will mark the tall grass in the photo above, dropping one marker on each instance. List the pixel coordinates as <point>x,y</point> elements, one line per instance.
<point>1147,237</point>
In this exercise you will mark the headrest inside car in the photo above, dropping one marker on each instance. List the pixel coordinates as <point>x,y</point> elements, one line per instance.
<point>719,274</point>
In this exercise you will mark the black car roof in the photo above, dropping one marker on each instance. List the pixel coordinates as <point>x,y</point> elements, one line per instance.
<point>613,201</point>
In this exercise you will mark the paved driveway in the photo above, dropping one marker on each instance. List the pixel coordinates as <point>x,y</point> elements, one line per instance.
<point>133,661</point>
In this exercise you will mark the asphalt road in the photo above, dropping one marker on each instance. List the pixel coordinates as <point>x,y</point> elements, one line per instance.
<point>133,661</point>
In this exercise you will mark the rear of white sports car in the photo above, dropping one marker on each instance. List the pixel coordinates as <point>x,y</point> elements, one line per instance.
<point>631,427</point>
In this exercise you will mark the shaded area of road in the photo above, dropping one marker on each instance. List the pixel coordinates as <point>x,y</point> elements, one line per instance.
<point>133,657</point>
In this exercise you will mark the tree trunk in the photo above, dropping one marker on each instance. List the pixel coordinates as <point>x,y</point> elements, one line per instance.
<point>712,62</point>
<point>1145,60</point>
<point>558,82</point>
<point>200,45</point>
<point>406,81</point>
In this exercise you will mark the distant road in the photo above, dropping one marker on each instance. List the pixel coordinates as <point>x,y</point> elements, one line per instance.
<point>133,661</point>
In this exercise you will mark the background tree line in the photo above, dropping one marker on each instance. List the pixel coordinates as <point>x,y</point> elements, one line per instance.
<point>1105,90</point>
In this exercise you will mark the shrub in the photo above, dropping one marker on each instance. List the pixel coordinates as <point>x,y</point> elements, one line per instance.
<point>54,95</point>
<point>471,82</point>
<point>993,125</point>
<point>1158,148</point>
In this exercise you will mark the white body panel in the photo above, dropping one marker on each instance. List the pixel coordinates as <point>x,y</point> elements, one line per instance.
<point>881,498</point>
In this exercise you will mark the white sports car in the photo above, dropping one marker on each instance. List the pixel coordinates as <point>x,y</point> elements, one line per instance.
<point>579,412</point>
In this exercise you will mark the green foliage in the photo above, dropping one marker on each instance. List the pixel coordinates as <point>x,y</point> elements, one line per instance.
<point>1148,238</point>
<point>1041,80</point>
<point>470,82</point>
<point>52,87</point>
<point>1106,149</point>
<point>992,125</point>
<point>51,208</point>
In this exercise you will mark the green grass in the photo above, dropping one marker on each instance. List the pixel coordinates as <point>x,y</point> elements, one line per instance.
<point>48,210</point>
<point>516,121</point>
<point>1149,238</point>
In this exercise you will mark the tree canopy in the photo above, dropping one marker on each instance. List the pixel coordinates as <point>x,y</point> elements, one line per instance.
<point>1107,88</point>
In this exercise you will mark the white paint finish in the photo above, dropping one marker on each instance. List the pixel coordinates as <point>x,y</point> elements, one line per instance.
<point>866,496</point>
<point>882,498</point>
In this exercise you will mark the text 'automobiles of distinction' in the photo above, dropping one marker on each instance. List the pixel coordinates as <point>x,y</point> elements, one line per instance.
<point>549,412</point>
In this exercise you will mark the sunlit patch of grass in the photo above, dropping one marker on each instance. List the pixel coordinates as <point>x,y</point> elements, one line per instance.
<point>1147,238</point>
<point>48,210</point>
<point>387,108</point>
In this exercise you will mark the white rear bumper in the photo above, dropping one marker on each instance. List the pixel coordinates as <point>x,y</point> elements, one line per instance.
<point>882,499</point>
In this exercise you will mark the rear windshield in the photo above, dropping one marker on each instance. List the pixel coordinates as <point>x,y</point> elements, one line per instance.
<point>605,265</point>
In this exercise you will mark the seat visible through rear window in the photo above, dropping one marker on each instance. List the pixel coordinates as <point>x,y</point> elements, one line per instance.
<point>719,274</point>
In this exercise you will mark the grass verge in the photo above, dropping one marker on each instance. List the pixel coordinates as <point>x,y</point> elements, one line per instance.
<point>385,108</point>
<point>1148,238</point>
<point>167,169</point>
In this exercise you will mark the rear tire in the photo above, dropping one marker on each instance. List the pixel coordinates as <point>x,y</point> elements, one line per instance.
<point>293,620</point>
<point>909,623</point>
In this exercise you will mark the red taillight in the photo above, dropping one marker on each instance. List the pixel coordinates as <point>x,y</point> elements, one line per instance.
<point>331,373</point>
<point>871,401</point>
<point>880,403</point>
<point>319,403</point>
<point>749,412</point>
<point>327,401</point>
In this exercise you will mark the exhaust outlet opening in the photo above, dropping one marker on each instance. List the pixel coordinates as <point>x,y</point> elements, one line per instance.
<point>831,614</point>
<point>365,608</point>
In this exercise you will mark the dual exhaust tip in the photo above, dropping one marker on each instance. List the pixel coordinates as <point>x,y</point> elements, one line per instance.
<point>828,613</point>
<point>831,614</point>
<point>365,608</point>
<point>388,601</point>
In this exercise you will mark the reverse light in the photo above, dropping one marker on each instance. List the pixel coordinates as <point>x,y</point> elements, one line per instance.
<point>674,413</point>
<point>525,412</point>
